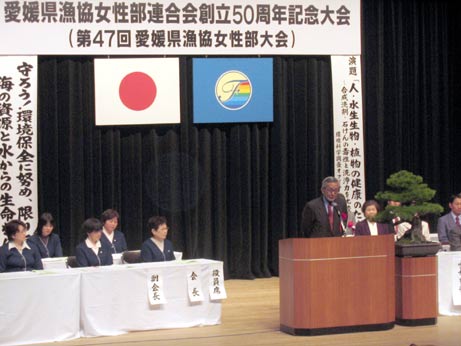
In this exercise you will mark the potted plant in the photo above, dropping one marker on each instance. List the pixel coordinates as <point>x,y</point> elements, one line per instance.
<point>414,197</point>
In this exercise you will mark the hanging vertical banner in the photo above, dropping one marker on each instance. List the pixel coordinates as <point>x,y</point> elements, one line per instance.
<point>349,152</point>
<point>18,140</point>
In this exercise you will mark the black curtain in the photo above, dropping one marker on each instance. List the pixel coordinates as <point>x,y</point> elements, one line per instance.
<point>411,53</point>
<point>229,191</point>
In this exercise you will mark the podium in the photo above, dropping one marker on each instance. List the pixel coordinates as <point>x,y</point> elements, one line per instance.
<point>336,285</point>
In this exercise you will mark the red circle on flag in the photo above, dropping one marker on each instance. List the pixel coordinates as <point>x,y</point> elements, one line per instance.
<point>137,91</point>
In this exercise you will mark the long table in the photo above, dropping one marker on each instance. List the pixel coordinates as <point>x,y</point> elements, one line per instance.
<point>42,306</point>
<point>64,304</point>
<point>115,298</point>
<point>446,268</point>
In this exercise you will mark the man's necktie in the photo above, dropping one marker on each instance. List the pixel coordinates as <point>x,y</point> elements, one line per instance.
<point>330,215</point>
<point>457,220</point>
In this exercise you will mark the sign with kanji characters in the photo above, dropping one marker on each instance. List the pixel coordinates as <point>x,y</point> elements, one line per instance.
<point>349,152</point>
<point>18,140</point>
<point>217,289</point>
<point>194,286</point>
<point>155,289</point>
<point>180,27</point>
<point>456,280</point>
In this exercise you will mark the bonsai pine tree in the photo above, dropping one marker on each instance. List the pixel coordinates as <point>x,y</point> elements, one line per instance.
<point>414,197</point>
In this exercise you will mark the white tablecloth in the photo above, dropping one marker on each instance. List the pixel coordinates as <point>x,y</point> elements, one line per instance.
<point>115,300</point>
<point>39,307</point>
<point>63,304</point>
<point>445,283</point>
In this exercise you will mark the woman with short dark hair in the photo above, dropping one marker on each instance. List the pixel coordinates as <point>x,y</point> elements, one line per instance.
<point>112,237</point>
<point>369,226</point>
<point>17,254</point>
<point>157,248</point>
<point>90,252</point>
<point>46,241</point>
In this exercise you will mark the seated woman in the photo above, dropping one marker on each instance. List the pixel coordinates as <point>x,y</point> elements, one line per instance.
<point>110,236</point>
<point>90,252</point>
<point>47,242</point>
<point>157,248</point>
<point>17,254</point>
<point>369,226</point>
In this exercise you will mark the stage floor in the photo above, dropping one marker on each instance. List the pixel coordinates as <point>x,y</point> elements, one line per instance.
<point>251,317</point>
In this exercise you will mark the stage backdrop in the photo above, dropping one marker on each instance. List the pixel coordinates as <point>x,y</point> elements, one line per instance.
<point>229,191</point>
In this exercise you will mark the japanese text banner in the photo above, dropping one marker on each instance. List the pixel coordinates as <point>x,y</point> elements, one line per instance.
<point>18,144</point>
<point>181,27</point>
<point>349,152</point>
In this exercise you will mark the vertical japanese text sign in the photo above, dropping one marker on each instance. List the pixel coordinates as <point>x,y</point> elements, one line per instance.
<point>349,153</point>
<point>18,139</point>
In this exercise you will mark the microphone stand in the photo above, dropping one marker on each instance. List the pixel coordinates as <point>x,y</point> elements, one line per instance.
<point>341,224</point>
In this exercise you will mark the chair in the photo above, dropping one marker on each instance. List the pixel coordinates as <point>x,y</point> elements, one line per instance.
<point>71,262</point>
<point>131,256</point>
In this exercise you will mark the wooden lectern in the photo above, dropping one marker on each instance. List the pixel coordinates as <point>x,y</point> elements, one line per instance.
<point>336,285</point>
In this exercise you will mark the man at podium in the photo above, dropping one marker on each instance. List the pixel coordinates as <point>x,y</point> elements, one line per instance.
<point>325,216</point>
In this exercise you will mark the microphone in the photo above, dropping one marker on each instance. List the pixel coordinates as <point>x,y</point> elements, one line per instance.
<point>343,228</point>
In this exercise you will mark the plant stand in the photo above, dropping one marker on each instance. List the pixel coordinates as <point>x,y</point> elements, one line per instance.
<point>416,290</point>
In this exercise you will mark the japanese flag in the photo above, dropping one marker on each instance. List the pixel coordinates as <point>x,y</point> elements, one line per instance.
<point>136,91</point>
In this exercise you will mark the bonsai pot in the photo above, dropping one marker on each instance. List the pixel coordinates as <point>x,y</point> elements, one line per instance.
<point>409,249</point>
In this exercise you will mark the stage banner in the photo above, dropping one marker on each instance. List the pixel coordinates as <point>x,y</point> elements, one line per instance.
<point>137,91</point>
<point>349,152</point>
<point>233,90</point>
<point>18,144</point>
<point>180,27</point>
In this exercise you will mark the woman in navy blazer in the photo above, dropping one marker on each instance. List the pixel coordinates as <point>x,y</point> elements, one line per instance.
<point>369,226</point>
<point>157,248</point>
<point>47,242</point>
<point>110,236</point>
<point>90,252</point>
<point>17,254</point>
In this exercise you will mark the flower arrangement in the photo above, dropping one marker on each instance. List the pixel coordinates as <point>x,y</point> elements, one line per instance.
<point>349,222</point>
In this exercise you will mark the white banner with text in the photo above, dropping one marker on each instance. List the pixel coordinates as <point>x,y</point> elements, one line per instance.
<point>18,140</point>
<point>349,152</point>
<point>180,27</point>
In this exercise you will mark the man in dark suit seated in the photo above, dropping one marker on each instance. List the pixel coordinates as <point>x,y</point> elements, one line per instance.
<point>322,216</point>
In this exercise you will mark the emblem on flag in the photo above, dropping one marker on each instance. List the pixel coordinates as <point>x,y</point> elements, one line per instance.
<point>232,90</point>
